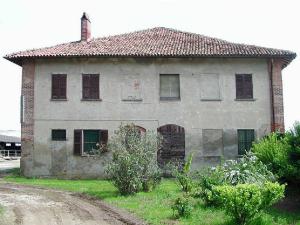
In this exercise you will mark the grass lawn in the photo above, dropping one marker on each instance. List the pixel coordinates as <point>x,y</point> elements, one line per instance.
<point>154,207</point>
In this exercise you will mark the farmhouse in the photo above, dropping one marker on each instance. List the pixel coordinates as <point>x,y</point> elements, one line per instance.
<point>203,94</point>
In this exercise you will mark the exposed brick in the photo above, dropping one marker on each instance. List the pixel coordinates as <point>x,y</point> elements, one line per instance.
<point>28,94</point>
<point>275,67</point>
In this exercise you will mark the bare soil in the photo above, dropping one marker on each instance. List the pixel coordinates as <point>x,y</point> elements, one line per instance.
<point>28,205</point>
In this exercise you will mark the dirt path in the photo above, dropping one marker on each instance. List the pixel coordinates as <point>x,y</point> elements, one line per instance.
<point>28,205</point>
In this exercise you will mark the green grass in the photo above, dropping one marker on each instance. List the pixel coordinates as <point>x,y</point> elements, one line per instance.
<point>154,207</point>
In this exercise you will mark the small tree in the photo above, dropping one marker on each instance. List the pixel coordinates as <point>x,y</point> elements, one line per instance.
<point>183,175</point>
<point>133,167</point>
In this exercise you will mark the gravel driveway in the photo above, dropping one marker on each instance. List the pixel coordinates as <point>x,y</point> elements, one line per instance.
<point>28,205</point>
<point>9,164</point>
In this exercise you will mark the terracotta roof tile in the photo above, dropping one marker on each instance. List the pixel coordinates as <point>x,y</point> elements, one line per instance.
<point>156,42</point>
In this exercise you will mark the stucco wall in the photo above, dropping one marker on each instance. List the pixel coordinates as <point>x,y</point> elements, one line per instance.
<point>194,114</point>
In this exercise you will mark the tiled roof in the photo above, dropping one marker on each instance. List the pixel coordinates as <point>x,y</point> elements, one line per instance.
<point>156,42</point>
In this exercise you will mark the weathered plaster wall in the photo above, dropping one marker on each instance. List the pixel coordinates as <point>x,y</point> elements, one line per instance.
<point>224,115</point>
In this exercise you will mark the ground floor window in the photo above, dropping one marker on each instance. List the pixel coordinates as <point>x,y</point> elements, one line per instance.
<point>245,140</point>
<point>87,141</point>
<point>58,135</point>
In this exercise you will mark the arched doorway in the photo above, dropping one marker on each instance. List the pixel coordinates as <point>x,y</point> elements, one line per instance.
<point>173,144</point>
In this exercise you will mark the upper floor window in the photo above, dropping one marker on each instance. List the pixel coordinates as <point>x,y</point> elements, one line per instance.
<point>210,87</point>
<point>169,87</point>
<point>245,139</point>
<point>59,86</point>
<point>90,86</point>
<point>244,86</point>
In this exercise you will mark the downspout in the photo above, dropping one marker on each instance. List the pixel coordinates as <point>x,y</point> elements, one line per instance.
<point>271,63</point>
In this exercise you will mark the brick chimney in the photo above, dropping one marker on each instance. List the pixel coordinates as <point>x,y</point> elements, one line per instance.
<point>85,27</point>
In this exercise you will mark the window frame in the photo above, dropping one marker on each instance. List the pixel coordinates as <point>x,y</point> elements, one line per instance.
<point>59,97</point>
<point>90,97</point>
<point>245,143</point>
<point>103,138</point>
<point>57,138</point>
<point>162,98</point>
<point>244,95</point>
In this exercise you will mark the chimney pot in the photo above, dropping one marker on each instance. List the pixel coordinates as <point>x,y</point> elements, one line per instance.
<point>85,27</point>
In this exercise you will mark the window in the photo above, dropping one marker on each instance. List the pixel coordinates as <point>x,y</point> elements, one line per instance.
<point>131,88</point>
<point>85,141</point>
<point>212,142</point>
<point>244,86</point>
<point>90,86</point>
<point>169,87</point>
<point>245,139</point>
<point>59,86</point>
<point>58,135</point>
<point>209,87</point>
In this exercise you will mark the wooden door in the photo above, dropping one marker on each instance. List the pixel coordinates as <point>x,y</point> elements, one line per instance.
<point>173,144</point>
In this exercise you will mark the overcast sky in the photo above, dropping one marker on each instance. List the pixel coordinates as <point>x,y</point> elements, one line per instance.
<point>35,23</point>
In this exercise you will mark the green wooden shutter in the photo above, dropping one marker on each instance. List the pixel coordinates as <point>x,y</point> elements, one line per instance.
<point>90,139</point>
<point>245,140</point>
<point>249,139</point>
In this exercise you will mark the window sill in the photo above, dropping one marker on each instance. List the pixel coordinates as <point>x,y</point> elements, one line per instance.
<point>245,99</point>
<point>89,156</point>
<point>59,100</point>
<point>167,99</point>
<point>211,100</point>
<point>132,100</point>
<point>58,140</point>
<point>91,100</point>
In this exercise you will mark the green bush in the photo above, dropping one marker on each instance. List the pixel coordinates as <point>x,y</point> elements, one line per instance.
<point>273,151</point>
<point>133,167</point>
<point>245,201</point>
<point>184,176</point>
<point>208,179</point>
<point>182,206</point>
<point>247,169</point>
<point>293,138</point>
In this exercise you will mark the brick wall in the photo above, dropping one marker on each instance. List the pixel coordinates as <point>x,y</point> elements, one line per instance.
<point>28,96</point>
<point>275,67</point>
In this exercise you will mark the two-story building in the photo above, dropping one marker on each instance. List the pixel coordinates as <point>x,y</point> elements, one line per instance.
<point>203,94</point>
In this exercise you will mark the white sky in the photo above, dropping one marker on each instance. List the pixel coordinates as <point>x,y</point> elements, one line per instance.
<point>35,23</point>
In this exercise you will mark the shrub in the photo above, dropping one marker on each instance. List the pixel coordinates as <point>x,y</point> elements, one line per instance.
<point>293,138</point>
<point>244,201</point>
<point>184,176</point>
<point>247,169</point>
<point>133,167</point>
<point>183,206</point>
<point>208,179</point>
<point>273,151</point>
